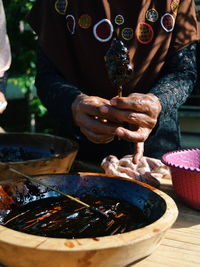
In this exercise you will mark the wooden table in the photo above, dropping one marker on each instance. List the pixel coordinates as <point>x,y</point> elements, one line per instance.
<point>181,246</point>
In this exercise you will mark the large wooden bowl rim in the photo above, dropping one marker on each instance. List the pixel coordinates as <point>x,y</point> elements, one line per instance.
<point>16,238</point>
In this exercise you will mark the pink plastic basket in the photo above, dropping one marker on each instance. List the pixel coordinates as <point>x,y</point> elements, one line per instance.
<point>185,170</point>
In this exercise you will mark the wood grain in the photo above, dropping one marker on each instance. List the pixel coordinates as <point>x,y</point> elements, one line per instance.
<point>181,245</point>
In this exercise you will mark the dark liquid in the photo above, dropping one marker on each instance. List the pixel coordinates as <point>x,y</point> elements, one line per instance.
<point>63,218</point>
<point>15,154</point>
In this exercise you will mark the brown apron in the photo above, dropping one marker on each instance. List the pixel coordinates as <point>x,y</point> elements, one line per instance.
<point>76,34</point>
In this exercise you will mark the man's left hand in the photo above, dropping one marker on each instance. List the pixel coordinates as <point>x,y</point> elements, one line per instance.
<point>140,111</point>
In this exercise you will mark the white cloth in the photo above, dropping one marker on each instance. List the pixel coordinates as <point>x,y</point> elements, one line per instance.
<point>148,170</point>
<point>5,52</point>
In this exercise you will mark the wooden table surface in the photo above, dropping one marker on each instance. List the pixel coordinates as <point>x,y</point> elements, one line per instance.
<point>181,245</point>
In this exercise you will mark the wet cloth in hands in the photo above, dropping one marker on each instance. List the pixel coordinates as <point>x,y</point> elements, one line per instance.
<point>148,170</point>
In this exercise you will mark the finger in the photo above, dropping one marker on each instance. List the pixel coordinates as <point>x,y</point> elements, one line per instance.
<point>96,125</point>
<point>96,131</point>
<point>97,138</point>
<point>112,114</point>
<point>119,116</point>
<point>138,152</point>
<point>90,105</point>
<point>137,102</point>
<point>141,120</point>
<point>137,136</point>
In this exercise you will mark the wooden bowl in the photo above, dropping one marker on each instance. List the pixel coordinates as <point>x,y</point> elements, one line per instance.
<point>20,249</point>
<point>35,154</point>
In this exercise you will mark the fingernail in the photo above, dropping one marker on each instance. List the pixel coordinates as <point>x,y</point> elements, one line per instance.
<point>104,109</point>
<point>119,132</point>
<point>113,102</point>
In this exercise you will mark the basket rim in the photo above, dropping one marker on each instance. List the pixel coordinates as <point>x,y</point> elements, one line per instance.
<point>166,161</point>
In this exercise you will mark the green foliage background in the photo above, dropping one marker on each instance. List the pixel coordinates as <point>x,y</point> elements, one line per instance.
<point>23,47</point>
<point>22,40</point>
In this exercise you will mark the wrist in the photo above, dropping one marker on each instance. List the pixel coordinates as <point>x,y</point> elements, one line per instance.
<point>157,101</point>
<point>75,106</point>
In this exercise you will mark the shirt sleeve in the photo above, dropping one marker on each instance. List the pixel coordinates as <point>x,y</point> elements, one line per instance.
<point>56,94</point>
<point>177,80</point>
<point>176,83</point>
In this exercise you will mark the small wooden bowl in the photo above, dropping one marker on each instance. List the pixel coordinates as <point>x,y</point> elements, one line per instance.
<point>25,250</point>
<point>43,153</point>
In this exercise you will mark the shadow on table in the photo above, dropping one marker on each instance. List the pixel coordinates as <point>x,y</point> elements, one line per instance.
<point>80,166</point>
<point>187,217</point>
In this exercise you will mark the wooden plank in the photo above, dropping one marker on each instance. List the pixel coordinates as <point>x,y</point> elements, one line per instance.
<point>171,256</point>
<point>181,245</point>
<point>184,237</point>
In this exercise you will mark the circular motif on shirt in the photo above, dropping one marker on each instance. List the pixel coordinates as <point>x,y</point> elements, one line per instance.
<point>61,6</point>
<point>152,15</point>
<point>167,21</point>
<point>175,6</point>
<point>85,21</point>
<point>119,20</point>
<point>103,30</point>
<point>127,34</point>
<point>71,23</point>
<point>144,33</point>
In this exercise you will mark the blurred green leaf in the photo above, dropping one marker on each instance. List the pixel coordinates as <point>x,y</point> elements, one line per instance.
<point>23,48</point>
<point>37,107</point>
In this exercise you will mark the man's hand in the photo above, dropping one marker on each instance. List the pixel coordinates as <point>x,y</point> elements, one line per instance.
<point>87,116</point>
<point>140,111</point>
